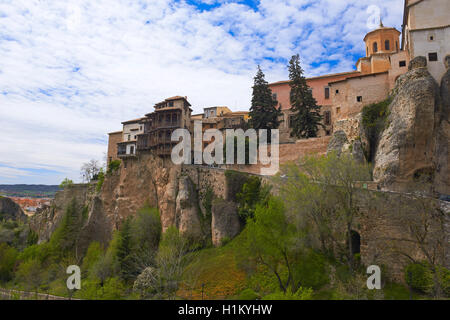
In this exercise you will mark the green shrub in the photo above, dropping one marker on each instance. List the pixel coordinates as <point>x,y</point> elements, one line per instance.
<point>66,183</point>
<point>8,257</point>
<point>252,193</point>
<point>235,181</point>
<point>248,294</point>
<point>301,294</point>
<point>419,277</point>
<point>312,270</point>
<point>374,118</point>
<point>113,166</point>
<point>100,180</point>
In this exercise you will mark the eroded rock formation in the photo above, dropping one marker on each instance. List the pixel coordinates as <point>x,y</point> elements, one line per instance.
<point>413,147</point>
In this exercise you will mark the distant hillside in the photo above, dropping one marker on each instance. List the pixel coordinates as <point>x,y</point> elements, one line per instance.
<point>26,190</point>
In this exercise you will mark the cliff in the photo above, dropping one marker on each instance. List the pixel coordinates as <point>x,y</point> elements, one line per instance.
<point>9,210</point>
<point>413,149</point>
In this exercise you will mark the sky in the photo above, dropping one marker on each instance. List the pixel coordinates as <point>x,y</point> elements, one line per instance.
<point>71,71</point>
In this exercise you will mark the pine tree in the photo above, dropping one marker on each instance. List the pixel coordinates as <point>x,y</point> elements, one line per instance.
<point>307,118</point>
<point>124,250</point>
<point>263,112</point>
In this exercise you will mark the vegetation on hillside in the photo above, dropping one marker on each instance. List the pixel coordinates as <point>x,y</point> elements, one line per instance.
<point>298,245</point>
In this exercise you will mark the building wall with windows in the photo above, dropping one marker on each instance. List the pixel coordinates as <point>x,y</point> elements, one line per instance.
<point>321,92</point>
<point>113,139</point>
<point>426,32</point>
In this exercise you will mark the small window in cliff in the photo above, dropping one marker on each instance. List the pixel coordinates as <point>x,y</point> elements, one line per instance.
<point>356,242</point>
<point>359,98</point>
<point>433,56</point>
<point>402,64</point>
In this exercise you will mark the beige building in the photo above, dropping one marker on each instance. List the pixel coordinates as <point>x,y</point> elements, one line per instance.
<point>426,32</point>
<point>131,129</point>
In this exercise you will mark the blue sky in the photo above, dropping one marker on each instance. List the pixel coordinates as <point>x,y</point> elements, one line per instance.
<point>71,71</point>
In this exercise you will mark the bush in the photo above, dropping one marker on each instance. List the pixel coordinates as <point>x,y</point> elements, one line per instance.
<point>419,277</point>
<point>374,121</point>
<point>113,166</point>
<point>301,294</point>
<point>252,193</point>
<point>66,183</point>
<point>248,294</point>
<point>312,270</point>
<point>100,180</point>
<point>8,256</point>
<point>235,181</point>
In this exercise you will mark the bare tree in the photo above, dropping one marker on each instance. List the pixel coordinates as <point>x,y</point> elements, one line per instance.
<point>90,170</point>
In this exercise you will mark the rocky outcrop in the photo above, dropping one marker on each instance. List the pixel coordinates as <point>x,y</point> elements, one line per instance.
<point>225,221</point>
<point>46,219</point>
<point>340,144</point>
<point>187,209</point>
<point>442,152</point>
<point>9,210</point>
<point>407,151</point>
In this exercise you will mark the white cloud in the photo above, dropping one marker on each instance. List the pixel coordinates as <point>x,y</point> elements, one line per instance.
<point>70,71</point>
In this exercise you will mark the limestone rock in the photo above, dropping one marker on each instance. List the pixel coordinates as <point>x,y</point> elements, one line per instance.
<point>407,145</point>
<point>338,142</point>
<point>187,210</point>
<point>417,62</point>
<point>9,210</point>
<point>225,221</point>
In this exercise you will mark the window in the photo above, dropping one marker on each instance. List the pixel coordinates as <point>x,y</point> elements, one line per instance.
<point>129,137</point>
<point>433,56</point>
<point>338,110</point>
<point>337,91</point>
<point>327,93</point>
<point>171,104</point>
<point>132,150</point>
<point>375,47</point>
<point>396,45</point>
<point>359,98</point>
<point>387,45</point>
<point>274,96</point>
<point>140,128</point>
<point>402,64</point>
<point>327,118</point>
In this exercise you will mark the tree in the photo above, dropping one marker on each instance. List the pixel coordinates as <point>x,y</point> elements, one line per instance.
<point>424,223</point>
<point>30,273</point>
<point>8,256</point>
<point>253,193</point>
<point>263,111</point>
<point>90,170</point>
<point>124,251</point>
<point>328,187</point>
<point>307,117</point>
<point>171,261</point>
<point>271,241</point>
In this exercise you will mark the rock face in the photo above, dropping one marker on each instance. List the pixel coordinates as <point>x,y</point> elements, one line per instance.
<point>407,151</point>
<point>9,210</point>
<point>442,179</point>
<point>339,144</point>
<point>225,221</point>
<point>187,209</point>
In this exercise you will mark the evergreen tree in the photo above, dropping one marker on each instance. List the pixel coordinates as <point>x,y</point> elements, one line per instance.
<point>307,117</point>
<point>124,251</point>
<point>263,112</point>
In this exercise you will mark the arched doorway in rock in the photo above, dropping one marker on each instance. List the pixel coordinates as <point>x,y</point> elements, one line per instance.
<point>356,242</point>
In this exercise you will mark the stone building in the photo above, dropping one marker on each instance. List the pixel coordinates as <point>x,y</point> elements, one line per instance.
<point>426,32</point>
